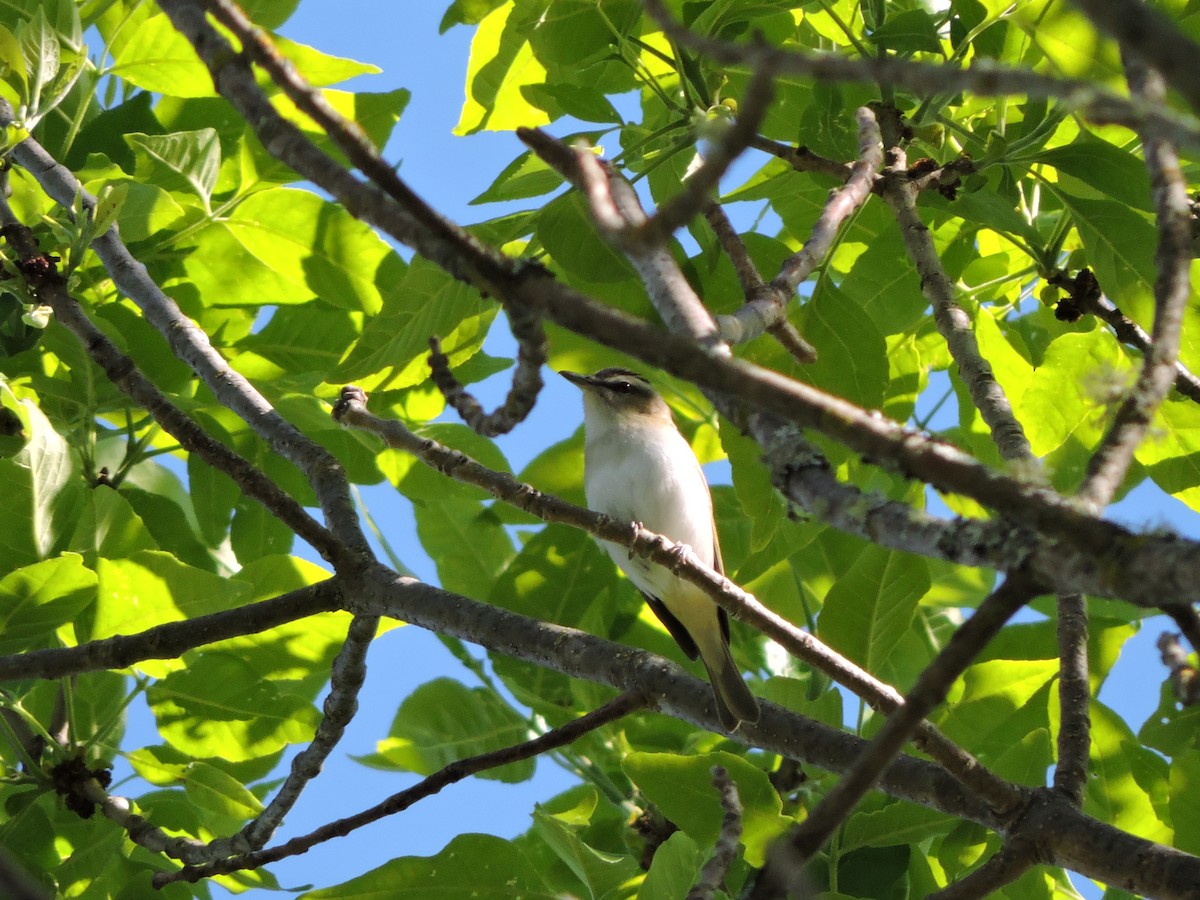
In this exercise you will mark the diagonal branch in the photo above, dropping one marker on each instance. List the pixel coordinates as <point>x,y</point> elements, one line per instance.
<point>1008,864</point>
<point>1172,289</point>
<point>930,690</point>
<point>712,875</point>
<point>50,287</point>
<point>614,709</point>
<point>699,186</point>
<point>952,320</point>
<point>752,283</point>
<point>172,639</point>
<point>769,306</point>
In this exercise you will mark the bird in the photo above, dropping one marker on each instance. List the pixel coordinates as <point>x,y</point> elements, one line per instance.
<point>639,468</point>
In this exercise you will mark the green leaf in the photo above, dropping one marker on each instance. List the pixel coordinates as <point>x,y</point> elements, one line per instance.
<point>185,160</point>
<point>43,56</point>
<point>255,532</point>
<point>871,607</point>
<point>37,599</point>
<point>896,823</point>
<point>681,786</point>
<point>151,54</point>
<point>501,64</point>
<point>674,869</point>
<point>569,235</point>
<point>992,707</point>
<point>467,541</point>
<point>588,105</point>
<point>443,721</point>
<point>908,32</point>
<point>526,176</point>
<point>1171,453</point>
<point>599,872</point>
<point>853,360</point>
<point>1123,778</point>
<point>150,588</point>
<point>320,69</point>
<point>1068,391</point>
<point>110,527</point>
<point>762,504</point>
<point>1111,171</point>
<point>1185,817</point>
<point>426,302</point>
<point>37,484</point>
<point>318,247</point>
<point>479,866</point>
<point>219,707</point>
<point>218,792</point>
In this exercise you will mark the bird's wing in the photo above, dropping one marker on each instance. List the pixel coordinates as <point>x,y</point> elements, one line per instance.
<point>719,566</point>
<point>674,626</point>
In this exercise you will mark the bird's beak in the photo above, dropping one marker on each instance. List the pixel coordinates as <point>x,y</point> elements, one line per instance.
<point>580,381</point>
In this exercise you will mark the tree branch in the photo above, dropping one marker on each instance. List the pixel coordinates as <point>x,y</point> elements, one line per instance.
<point>1172,289</point>
<point>51,288</point>
<point>1144,569</point>
<point>1074,697</point>
<point>699,186</point>
<point>172,640</point>
<point>752,283</point>
<point>768,307</point>
<point>614,709</point>
<point>952,320</point>
<point>527,379</point>
<point>930,690</point>
<point>983,77</point>
<point>1008,864</point>
<point>1153,37</point>
<point>712,875</point>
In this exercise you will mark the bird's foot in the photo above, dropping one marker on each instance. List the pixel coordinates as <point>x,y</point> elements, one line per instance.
<point>682,556</point>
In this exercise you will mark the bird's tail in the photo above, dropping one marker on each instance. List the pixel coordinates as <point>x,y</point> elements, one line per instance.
<point>735,703</point>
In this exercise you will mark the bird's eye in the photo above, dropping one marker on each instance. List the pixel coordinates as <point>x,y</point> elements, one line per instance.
<point>621,387</point>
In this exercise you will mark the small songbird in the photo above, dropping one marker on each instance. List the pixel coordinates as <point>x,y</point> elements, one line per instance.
<point>639,468</point>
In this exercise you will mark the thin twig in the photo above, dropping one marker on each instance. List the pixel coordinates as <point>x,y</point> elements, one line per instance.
<point>713,874</point>
<point>527,329</point>
<point>802,159</point>
<point>699,186</point>
<point>347,674</point>
<point>1185,680</point>
<point>752,283</point>
<point>614,709</point>
<point>951,319</point>
<point>1131,334</point>
<point>769,306</point>
<point>1172,289</point>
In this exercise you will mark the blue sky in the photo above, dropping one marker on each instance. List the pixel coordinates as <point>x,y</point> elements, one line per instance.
<point>447,171</point>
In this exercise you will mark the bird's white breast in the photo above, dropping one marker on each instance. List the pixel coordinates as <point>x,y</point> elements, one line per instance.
<point>651,477</point>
